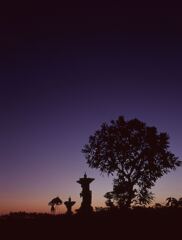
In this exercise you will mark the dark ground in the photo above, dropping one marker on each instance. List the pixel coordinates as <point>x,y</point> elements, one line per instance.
<point>165,223</point>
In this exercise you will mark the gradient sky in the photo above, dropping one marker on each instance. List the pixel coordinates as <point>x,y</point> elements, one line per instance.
<point>65,70</point>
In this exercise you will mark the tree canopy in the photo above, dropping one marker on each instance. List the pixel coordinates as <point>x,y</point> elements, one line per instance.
<point>135,154</point>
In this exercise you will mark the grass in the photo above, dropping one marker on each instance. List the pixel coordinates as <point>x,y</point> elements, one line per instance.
<point>139,223</point>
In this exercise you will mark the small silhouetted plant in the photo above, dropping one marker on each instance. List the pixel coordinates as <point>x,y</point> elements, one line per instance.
<point>100,209</point>
<point>173,202</point>
<point>55,202</point>
<point>109,202</point>
<point>180,202</point>
<point>158,205</point>
<point>135,154</point>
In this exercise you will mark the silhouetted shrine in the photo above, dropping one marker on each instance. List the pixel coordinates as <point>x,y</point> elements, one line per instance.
<point>69,205</point>
<point>86,194</point>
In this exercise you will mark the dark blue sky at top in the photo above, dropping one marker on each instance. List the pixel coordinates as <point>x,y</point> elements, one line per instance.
<point>66,71</point>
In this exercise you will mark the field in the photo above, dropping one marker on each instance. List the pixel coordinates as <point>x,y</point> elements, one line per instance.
<point>164,223</point>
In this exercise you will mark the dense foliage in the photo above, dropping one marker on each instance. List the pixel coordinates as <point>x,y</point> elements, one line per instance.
<point>135,154</point>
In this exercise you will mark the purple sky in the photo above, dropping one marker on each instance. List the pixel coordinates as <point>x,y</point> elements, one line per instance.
<point>63,72</point>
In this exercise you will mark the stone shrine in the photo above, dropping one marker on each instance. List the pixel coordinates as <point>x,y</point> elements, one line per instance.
<point>86,194</point>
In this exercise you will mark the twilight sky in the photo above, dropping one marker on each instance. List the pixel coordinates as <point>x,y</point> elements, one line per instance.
<point>65,70</point>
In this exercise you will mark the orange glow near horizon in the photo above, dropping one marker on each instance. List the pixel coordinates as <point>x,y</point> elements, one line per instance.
<point>35,197</point>
<point>42,206</point>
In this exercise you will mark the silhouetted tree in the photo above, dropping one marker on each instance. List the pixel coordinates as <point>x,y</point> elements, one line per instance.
<point>135,154</point>
<point>55,202</point>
